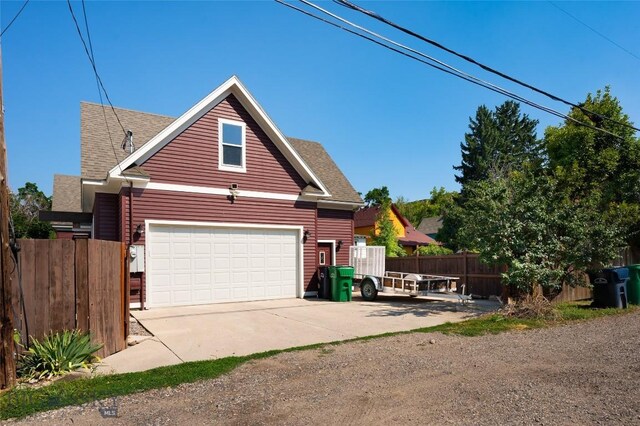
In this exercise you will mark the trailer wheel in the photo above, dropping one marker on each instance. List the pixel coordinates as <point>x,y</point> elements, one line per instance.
<point>368,290</point>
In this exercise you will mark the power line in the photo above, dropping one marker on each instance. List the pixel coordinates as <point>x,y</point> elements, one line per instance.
<point>454,71</point>
<point>575,18</point>
<point>90,54</point>
<point>93,60</point>
<point>14,18</point>
<point>93,65</point>
<point>378,17</point>
<point>448,69</point>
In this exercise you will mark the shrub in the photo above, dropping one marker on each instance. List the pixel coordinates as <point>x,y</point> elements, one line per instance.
<point>57,354</point>
<point>433,250</point>
<point>532,306</point>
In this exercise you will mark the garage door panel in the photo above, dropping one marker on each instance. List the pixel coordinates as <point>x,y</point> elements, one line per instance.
<point>199,264</point>
<point>222,295</point>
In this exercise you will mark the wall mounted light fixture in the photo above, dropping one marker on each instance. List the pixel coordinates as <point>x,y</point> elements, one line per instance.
<point>339,245</point>
<point>233,192</point>
<point>306,234</point>
<point>140,229</point>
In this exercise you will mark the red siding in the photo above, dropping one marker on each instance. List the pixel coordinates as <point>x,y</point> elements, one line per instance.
<point>168,205</point>
<point>105,217</point>
<point>337,225</point>
<point>192,157</point>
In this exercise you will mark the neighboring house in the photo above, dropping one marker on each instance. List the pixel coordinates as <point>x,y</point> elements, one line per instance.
<point>66,216</point>
<point>218,204</point>
<point>408,237</point>
<point>430,226</point>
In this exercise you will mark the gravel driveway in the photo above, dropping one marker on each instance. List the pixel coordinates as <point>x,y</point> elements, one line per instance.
<point>584,373</point>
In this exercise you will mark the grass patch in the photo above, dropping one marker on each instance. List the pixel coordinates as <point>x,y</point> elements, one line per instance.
<point>22,402</point>
<point>486,324</point>
<point>583,311</point>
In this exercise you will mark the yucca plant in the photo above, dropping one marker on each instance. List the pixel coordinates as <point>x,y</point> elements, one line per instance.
<point>57,354</point>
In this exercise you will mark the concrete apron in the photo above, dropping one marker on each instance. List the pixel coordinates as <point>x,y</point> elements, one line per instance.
<point>194,333</point>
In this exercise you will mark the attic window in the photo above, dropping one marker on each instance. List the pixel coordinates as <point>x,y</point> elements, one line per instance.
<point>232,145</point>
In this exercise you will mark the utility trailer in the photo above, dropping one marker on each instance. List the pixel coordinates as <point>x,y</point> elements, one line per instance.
<point>372,278</point>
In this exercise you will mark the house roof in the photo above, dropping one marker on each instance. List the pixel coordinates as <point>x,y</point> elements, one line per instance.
<point>367,216</point>
<point>66,193</point>
<point>233,86</point>
<point>98,158</point>
<point>430,225</point>
<point>413,237</point>
<point>326,169</point>
<point>97,153</point>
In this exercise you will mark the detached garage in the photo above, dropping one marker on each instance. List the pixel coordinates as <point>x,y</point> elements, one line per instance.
<point>211,263</point>
<point>223,205</point>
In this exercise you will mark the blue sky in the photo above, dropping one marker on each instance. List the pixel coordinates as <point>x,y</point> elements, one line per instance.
<point>385,119</point>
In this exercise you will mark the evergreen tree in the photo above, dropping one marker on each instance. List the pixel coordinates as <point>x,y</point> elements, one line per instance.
<point>498,141</point>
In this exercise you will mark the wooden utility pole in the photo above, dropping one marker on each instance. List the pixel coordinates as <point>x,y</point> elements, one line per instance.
<point>7,360</point>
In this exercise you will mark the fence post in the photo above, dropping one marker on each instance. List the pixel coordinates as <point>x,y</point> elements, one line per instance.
<point>417,263</point>
<point>465,270</point>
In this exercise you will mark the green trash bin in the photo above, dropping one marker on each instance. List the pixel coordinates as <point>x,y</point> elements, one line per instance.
<point>341,283</point>
<point>633,285</point>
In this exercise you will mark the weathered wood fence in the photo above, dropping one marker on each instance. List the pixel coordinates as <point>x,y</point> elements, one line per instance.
<point>68,284</point>
<point>479,279</point>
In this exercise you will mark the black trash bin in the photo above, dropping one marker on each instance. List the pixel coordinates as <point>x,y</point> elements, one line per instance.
<point>324,283</point>
<point>610,288</point>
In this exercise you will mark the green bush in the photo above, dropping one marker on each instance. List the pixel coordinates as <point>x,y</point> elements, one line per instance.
<point>57,354</point>
<point>433,250</point>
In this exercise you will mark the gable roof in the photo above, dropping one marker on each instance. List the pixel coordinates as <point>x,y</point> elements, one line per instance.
<point>98,159</point>
<point>430,225</point>
<point>97,154</point>
<point>232,86</point>
<point>66,193</point>
<point>367,216</point>
<point>412,237</point>
<point>327,170</point>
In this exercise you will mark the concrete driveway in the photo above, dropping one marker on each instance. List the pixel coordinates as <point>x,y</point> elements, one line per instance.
<point>213,331</point>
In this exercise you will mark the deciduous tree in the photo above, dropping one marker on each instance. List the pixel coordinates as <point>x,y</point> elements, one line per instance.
<point>25,206</point>
<point>535,224</point>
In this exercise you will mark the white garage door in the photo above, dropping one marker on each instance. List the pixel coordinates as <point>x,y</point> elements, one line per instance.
<point>190,265</point>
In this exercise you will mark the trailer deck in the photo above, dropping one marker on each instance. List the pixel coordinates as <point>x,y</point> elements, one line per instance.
<point>371,277</point>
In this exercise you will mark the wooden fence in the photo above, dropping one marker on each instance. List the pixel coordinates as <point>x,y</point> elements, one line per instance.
<point>479,279</point>
<point>69,284</point>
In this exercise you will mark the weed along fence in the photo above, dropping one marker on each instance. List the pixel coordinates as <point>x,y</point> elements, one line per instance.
<point>69,284</point>
<point>479,279</point>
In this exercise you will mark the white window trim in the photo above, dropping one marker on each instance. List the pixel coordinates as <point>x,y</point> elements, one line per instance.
<point>229,167</point>
<point>333,249</point>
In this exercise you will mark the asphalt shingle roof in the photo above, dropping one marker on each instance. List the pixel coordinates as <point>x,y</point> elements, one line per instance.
<point>66,194</point>
<point>98,155</point>
<point>323,166</point>
<point>430,225</point>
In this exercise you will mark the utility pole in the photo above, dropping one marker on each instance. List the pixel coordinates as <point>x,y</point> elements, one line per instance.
<point>7,360</point>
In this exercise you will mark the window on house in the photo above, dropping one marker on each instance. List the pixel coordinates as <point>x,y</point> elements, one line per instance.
<point>232,145</point>
<point>322,260</point>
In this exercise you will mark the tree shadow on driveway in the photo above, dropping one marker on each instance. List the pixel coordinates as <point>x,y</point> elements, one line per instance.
<point>398,306</point>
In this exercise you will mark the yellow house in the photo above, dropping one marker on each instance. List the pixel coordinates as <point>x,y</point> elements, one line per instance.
<point>365,223</point>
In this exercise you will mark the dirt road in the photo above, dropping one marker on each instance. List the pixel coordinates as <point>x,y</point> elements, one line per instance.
<point>584,373</point>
